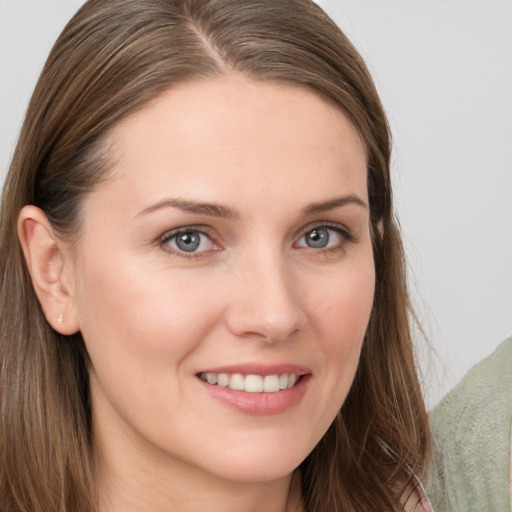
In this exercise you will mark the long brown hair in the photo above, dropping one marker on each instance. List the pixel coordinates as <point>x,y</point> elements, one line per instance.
<point>111,59</point>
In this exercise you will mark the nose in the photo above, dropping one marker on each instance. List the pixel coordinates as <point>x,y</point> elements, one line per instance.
<point>266,304</point>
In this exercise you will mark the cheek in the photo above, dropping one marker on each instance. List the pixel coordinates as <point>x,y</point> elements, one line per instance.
<point>341,318</point>
<point>339,314</point>
<point>134,316</point>
<point>344,308</point>
<point>140,328</point>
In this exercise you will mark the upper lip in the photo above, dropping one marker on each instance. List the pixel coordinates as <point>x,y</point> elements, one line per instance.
<point>259,369</point>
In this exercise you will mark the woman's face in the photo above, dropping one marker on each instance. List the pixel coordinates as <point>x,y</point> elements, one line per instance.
<point>229,252</point>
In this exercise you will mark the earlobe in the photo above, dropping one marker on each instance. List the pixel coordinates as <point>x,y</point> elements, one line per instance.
<point>48,264</point>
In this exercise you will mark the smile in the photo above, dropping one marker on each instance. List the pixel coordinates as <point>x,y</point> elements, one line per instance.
<point>251,383</point>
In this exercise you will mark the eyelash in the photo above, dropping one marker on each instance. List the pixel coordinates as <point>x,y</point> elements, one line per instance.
<point>164,240</point>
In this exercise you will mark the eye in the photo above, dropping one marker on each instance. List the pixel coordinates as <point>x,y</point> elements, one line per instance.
<point>324,237</point>
<point>188,241</point>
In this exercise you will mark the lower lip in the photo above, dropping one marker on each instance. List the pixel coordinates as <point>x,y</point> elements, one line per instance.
<point>259,403</point>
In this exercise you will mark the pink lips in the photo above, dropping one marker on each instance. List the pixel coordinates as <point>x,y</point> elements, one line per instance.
<point>259,403</point>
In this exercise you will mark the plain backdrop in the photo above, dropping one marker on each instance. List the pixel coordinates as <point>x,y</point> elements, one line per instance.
<point>444,71</point>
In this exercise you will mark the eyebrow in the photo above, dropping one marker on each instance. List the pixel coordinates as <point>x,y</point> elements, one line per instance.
<point>209,209</point>
<point>332,204</point>
<point>217,210</point>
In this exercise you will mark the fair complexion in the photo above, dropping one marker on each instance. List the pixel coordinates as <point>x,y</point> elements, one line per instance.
<point>233,237</point>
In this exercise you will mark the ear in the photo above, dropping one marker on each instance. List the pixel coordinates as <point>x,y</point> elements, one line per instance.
<point>50,266</point>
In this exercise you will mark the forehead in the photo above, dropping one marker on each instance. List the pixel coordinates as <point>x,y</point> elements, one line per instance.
<point>230,134</point>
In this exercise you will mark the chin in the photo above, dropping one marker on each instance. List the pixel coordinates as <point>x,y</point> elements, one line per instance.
<point>258,462</point>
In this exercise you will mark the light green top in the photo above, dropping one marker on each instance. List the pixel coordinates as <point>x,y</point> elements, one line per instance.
<point>472,429</point>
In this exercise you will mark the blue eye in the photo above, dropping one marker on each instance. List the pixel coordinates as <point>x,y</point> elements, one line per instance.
<point>317,238</point>
<point>189,241</point>
<point>322,237</point>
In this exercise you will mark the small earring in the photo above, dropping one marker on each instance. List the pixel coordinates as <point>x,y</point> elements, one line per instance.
<point>60,319</point>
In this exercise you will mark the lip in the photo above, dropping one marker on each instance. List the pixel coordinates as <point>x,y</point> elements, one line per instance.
<point>259,404</point>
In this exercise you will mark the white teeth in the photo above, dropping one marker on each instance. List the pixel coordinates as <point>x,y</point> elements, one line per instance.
<point>211,378</point>
<point>223,380</point>
<point>254,383</point>
<point>271,384</point>
<point>237,382</point>
<point>251,383</point>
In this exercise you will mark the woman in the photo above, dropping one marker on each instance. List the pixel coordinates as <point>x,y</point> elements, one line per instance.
<point>203,292</point>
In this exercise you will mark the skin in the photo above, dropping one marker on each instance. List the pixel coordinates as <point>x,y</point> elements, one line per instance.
<point>152,317</point>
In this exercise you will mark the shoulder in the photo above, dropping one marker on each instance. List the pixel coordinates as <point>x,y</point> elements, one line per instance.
<point>484,388</point>
<point>471,429</point>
